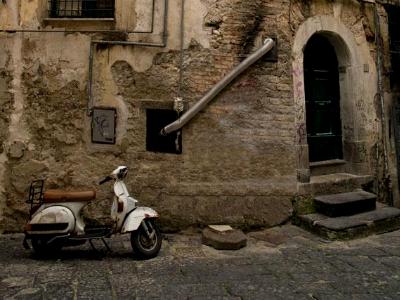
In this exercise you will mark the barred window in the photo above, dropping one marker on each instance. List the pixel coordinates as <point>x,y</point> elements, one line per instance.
<point>81,8</point>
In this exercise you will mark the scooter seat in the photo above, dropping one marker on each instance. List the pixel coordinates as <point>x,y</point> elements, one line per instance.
<point>54,196</point>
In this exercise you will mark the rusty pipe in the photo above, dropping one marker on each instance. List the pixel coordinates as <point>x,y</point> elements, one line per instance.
<point>202,103</point>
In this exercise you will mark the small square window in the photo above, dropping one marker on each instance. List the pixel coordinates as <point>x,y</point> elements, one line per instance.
<point>155,142</point>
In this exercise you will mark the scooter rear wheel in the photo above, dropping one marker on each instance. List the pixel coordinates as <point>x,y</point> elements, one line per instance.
<point>41,246</point>
<point>143,245</point>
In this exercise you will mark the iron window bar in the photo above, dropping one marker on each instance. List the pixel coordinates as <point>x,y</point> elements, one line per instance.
<point>81,8</point>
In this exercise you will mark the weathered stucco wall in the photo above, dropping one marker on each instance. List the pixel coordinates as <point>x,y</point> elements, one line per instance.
<point>240,155</point>
<point>6,104</point>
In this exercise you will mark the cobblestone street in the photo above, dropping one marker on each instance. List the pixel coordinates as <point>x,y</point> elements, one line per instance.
<point>279,263</point>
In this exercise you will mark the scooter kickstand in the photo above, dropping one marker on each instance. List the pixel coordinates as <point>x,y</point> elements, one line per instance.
<point>93,247</point>
<point>25,244</point>
<point>105,244</point>
<point>98,254</point>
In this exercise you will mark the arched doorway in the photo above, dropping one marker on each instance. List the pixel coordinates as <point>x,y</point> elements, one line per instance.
<point>357,75</point>
<point>322,97</point>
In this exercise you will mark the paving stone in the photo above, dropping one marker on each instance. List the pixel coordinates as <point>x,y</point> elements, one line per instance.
<point>197,290</point>
<point>59,290</point>
<point>364,251</point>
<point>214,297</point>
<point>271,237</point>
<point>389,261</point>
<point>29,294</point>
<point>328,296</point>
<point>314,287</point>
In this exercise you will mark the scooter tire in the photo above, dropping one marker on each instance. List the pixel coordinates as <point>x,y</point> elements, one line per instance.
<point>142,245</point>
<point>41,247</point>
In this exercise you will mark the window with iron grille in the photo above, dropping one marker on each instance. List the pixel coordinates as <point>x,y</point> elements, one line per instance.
<point>81,8</point>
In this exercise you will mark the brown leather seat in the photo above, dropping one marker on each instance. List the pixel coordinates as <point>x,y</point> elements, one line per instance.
<point>54,196</point>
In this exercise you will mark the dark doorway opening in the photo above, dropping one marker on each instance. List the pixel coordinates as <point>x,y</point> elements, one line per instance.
<point>393,13</point>
<point>322,94</point>
<point>157,119</point>
<point>394,45</point>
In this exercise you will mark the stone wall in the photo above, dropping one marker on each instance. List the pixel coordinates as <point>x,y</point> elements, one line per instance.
<point>239,158</point>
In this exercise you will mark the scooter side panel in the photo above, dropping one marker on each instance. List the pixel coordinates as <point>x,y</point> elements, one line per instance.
<point>133,220</point>
<point>51,216</point>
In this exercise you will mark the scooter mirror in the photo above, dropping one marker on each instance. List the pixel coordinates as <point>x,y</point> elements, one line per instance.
<point>108,178</point>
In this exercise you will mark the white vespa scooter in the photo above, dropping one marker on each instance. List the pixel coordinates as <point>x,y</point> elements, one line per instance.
<point>56,220</point>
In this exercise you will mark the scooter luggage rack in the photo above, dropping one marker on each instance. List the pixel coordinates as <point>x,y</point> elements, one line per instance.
<point>35,198</point>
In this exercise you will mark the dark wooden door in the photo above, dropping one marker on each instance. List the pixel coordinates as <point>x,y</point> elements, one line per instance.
<point>322,93</point>
<point>394,45</point>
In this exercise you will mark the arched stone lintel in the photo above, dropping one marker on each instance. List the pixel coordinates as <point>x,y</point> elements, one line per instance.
<point>334,30</point>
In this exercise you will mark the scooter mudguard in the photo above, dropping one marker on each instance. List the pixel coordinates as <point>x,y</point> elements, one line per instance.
<point>133,220</point>
<point>52,220</point>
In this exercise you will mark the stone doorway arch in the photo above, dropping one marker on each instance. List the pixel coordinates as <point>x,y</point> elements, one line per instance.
<point>357,79</point>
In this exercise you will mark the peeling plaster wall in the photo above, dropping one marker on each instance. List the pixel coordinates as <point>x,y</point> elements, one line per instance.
<point>239,156</point>
<point>6,104</point>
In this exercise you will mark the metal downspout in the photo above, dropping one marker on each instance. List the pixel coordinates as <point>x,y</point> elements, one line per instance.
<point>202,103</point>
<point>381,91</point>
<point>180,93</point>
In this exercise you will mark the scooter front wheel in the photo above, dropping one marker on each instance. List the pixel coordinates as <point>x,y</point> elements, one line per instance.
<point>144,245</point>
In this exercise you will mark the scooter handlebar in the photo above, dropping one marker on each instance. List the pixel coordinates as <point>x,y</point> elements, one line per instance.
<point>104,180</point>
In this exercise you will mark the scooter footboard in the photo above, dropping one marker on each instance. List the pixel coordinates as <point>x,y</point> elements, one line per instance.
<point>135,217</point>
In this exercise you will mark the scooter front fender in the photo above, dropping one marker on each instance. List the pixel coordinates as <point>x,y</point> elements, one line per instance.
<point>135,217</point>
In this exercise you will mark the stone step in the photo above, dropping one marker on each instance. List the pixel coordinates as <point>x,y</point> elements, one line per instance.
<point>345,204</point>
<point>334,183</point>
<point>333,166</point>
<point>380,220</point>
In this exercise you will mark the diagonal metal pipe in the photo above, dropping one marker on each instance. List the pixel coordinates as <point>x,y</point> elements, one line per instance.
<point>202,103</point>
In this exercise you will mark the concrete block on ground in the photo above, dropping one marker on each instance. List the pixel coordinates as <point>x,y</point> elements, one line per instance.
<point>223,237</point>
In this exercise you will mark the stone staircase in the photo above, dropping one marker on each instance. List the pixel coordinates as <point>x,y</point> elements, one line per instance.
<point>346,215</point>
